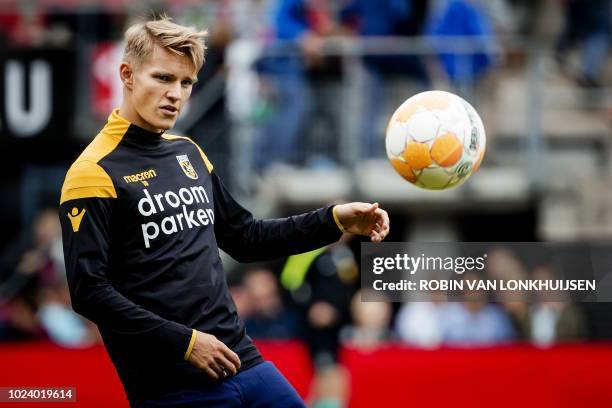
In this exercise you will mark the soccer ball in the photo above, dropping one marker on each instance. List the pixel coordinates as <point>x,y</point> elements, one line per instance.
<point>435,140</point>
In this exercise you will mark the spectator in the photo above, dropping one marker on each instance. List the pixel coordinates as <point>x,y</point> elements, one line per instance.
<point>18,319</point>
<point>553,318</point>
<point>420,323</point>
<point>268,317</point>
<point>40,261</point>
<point>369,19</point>
<point>331,387</point>
<point>284,81</point>
<point>587,22</point>
<point>322,283</point>
<point>462,18</point>
<point>371,322</point>
<point>242,299</point>
<point>60,322</point>
<point>503,265</point>
<point>474,322</point>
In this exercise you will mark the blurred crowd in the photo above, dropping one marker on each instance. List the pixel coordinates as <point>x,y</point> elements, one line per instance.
<point>295,49</point>
<point>322,303</point>
<point>34,296</point>
<point>313,296</point>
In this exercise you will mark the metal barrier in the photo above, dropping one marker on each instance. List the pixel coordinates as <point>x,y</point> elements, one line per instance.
<point>350,52</point>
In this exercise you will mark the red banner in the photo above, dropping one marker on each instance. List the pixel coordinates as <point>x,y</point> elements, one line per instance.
<point>391,376</point>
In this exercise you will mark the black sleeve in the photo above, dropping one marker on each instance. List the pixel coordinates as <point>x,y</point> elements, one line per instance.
<point>248,240</point>
<point>86,235</point>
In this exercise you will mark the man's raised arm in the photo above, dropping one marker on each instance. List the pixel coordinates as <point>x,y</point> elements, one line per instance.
<point>247,239</point>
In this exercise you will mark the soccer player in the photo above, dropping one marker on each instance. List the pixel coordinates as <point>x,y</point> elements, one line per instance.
<point>143,215</point>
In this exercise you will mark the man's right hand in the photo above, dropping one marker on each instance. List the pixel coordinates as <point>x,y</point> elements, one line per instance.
<point>213,357</point>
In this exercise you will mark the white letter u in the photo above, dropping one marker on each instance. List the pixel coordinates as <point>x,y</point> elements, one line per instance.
<point>22,122</point>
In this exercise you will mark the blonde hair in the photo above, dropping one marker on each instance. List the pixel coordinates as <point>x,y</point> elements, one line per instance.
<point>141,38</point>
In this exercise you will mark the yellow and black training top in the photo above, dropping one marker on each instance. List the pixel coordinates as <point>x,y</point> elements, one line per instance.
<point>143,215</point>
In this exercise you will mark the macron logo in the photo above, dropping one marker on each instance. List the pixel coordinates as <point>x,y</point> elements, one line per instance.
<point>181,217</point>
<point>142,177</point>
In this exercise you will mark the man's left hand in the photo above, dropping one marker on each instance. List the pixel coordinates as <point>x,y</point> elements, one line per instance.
<point>363,219</point>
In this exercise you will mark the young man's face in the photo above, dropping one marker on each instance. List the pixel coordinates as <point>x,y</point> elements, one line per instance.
<point>161,86</point>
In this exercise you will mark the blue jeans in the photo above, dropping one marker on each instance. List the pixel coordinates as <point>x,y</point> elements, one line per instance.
<point>258,387</point>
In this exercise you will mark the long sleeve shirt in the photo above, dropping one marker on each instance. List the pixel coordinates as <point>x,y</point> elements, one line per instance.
<point>143,216</point>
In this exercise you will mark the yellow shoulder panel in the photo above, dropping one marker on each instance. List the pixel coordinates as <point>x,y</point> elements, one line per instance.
<point>87,179</point>
<point>116,126</point>
<point>104,143</point>
<point>208,164</point>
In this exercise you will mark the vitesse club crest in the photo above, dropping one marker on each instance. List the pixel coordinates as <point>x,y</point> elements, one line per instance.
<point>186,166</point>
